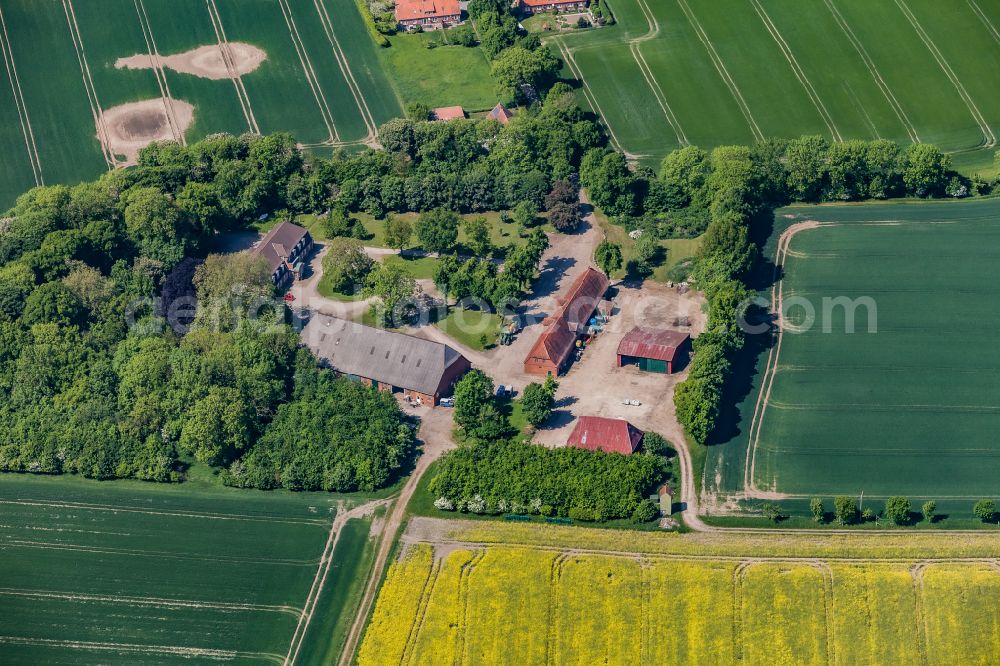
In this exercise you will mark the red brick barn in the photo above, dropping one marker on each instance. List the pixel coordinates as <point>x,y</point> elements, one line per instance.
<point>552,351</point>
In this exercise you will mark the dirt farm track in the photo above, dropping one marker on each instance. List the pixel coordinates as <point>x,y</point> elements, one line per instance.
<point>80,93</point>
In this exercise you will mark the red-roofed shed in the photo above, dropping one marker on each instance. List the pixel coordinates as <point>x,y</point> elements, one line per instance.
<point>654,350</point>
<point>501,114</point>
<point>553,348</point>
<point>448,113</point>
<point>596,433</point>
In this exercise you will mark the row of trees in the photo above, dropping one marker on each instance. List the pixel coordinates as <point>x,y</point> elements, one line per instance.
<point>897,509</point>
<point>676,201</point>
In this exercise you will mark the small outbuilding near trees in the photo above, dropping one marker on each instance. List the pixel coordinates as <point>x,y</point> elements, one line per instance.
<point>654,350</point>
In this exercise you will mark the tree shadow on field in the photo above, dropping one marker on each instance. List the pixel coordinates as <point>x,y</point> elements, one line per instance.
<point>747,363</point>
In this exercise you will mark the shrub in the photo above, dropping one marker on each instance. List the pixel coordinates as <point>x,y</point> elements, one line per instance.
<point>897,509</point>
<point>587,515</point>
<point>846,509</point>
<point>646,511</point>
<point>985,510</point>
<point>817,509</point>
<point>928,510</point>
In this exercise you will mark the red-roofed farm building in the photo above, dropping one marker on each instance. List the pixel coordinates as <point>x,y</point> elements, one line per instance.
<point>654,350</point>
<point>428,13</point>
<point>596,433</point>
<point>553,349</point>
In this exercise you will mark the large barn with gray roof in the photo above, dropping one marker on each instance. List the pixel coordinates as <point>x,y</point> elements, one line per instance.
<point>389,361</point>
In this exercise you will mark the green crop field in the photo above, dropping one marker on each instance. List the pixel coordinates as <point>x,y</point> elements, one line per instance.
<point>905,404</point>
<point>322,78</point>
<point>730,71</point>
<point>126,572</point>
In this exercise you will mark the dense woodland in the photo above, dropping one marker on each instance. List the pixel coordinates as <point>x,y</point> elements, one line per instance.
<point>106,377</point>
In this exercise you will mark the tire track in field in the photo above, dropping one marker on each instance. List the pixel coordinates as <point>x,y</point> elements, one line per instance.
<point>647,73</point>
<point>800,74</point>
<point>310,73</point>
<point>22,108</point>
<point>920,618</point>
<point>985,19</point>
<point>136,648</point>
<point>344,64</point>
<point>228,60</point>
<point>770,367</point>
<point>587,92</point>
<point>894,104</point>
<point>158,73</point>
<point>418,618</point>
<point>828,609</point>
<point>163,554</point>
<point>319,580</point>
<point>720,67</point>
<point>148,602</point>
<point>88,84</point>
<point>464,580</point>
<point>989,138</point>
<point>85,506</point>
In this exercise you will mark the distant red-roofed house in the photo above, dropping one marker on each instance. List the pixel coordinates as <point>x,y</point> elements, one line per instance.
<point>596,433</point>
<point>448,113</point>
<point>535,6</point>
<point>552,350</point>
<point>428,13</point>
<point>501,114</point>
<point>654,350</point>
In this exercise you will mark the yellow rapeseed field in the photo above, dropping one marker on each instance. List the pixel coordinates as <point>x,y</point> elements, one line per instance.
<point>782,614</point>
<point>485,604</point>
<point>874,614</point>
<point>597,611</point>
<point>689,612</point>
<point>961,613</point>
<point>507,616</point>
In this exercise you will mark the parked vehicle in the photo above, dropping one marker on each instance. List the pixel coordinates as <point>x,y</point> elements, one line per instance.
<point>501,391</point>
<point>447,402</point>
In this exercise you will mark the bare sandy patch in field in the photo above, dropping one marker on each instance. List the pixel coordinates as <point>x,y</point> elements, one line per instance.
<point>131,127</point>
<point>204,61</point>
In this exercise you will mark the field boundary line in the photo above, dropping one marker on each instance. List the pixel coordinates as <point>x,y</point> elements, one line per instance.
<point>587,92</point>
<point>155,602</point>
<point>83,506</point>
<point>989,138</point>
<point>88,84</point>
<point>345,68</point>
<point>894,104</point>
<point>720,66</point>
<point>319,580</point>
<point>22,107</point>
<point>985,19</point>
<point>158,73</point>
<point>800,74</point>
<point>230,63</point>
<point>307,69</point>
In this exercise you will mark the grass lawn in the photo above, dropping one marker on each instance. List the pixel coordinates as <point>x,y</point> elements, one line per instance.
<point>419,268</point>
<point>536,22</point>
<point>677,249</point>
<point>441,76</point>
<point>326,291</point>
<point>469,326</point>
